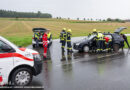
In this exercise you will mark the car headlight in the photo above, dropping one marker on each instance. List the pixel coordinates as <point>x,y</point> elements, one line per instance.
<point>37,57</point>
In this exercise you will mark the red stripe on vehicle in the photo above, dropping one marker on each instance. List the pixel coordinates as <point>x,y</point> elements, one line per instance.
<point>1,79</point>
<point>7,55</point>
<point>34,53</point>
<point>22,49</point>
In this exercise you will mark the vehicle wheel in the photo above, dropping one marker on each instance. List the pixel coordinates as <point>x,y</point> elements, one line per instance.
<point>86,48</point>
<point>21,77</point>
<point>116,47</point>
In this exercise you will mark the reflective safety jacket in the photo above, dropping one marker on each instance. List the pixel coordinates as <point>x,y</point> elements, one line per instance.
<point>49,36</point>
<point>68,37</point>
<point>100,36</point>
<point>63,35</point>
<point>44,38</point>
<point>36,35</point>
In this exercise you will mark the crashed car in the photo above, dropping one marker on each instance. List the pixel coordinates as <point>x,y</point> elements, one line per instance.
<point>42,31</point>
<point>86,44</point>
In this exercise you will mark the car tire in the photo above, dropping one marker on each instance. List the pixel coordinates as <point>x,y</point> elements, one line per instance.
<point>116,47</point>
<point>21,77</point>
<point>85,48</point>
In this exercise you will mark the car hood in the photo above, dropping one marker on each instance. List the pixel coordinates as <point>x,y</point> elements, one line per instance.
<point>118,30</point>
<point>87,39</point>
<point>29,50</point>
<point>82,40</point>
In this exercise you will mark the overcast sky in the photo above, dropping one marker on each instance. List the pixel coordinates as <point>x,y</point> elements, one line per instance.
<point>72,8</point>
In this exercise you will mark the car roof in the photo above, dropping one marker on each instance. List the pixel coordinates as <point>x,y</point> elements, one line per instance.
<point>39,29</point>
<point>118,30</point>
<point>1,37</point>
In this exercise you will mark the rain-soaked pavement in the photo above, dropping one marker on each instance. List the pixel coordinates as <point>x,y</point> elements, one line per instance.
<point>84,71</point>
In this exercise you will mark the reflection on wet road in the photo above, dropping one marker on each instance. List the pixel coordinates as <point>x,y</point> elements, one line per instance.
<point>82,71</point>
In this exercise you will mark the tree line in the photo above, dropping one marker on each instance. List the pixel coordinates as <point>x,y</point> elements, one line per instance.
<point>14,14</point>
<point>101,20</point>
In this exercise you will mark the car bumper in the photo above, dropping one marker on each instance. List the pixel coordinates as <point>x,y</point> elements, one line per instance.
<point>37,67</point>
<point>76,47</point>
<point>33,42</point>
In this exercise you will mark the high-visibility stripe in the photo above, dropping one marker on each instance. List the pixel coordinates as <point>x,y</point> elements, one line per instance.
<point>7,55</point>
<point>68,40</point>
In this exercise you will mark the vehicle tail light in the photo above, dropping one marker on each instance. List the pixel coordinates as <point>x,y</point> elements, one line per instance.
<point>32,37</point>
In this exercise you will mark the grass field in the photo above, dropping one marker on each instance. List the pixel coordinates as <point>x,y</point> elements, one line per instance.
<point>20,31</point>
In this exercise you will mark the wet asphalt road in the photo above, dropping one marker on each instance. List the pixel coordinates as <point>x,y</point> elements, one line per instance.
<point>84,71</point>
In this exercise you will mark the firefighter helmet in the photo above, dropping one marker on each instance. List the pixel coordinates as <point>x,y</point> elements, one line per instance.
<point>94,30</point>
<point>69,30</point>
<point>64,28</point>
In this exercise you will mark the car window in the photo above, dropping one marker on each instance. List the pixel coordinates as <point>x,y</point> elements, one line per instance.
<point>108,36</point>
<point>1,46</point>
<point>91,37</point>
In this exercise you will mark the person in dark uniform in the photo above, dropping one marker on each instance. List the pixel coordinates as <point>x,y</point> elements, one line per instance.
<point>68,36</point>
<point>100,40</point>
<point>36,37</point>
<point>94,32</point>
<point>63,39</point>
<point>125,38</point>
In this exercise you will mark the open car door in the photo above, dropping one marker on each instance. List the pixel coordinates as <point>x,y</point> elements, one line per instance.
<point>118,30</point>
<point>42,30</point>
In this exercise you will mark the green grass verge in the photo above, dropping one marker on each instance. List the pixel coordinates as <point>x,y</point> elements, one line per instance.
<point>128,41</point>
<point>20,41</point>
<point>27,40</point>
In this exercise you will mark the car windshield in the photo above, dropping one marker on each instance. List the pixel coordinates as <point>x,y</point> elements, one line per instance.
<point>91,37</point>
<point>85,39</point>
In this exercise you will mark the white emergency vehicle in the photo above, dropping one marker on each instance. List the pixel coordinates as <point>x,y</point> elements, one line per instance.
<point>18,65</point>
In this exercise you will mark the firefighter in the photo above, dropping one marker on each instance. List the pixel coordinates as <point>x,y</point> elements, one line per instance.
<point>45,44</point>
<point>100,39</point>
<point>36,36</point>
<point>94,32</point>
<point>68,36</point>
<point>125,38</point>
<point>63,39</point>
<point>94,41</point>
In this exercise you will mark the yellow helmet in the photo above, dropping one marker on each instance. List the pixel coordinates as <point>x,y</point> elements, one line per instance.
<point>69,30</point>
<point>94,30</point>
<point>64,28</point>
